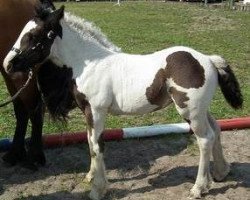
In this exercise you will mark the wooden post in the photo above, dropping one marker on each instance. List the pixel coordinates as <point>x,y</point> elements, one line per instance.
<point>206,1</point>
<point>231,4</point>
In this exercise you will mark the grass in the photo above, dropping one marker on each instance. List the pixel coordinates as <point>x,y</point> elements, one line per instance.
<point>144,27</point>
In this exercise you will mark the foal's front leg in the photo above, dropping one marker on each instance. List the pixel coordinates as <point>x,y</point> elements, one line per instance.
<point>90,175</point>
<point>97,169</point>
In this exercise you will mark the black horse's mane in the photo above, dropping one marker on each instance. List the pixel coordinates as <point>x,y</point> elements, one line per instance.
<point>56,86</point>
<point>55,83</point>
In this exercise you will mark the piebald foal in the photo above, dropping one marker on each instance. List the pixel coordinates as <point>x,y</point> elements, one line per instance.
<point>107,80</point>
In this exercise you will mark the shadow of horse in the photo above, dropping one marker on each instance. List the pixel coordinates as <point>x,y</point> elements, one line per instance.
<point>173,177</point>
<point>124,156</point>
<point>240,173</point>
<point>58,196</point>
<point>121,155</point>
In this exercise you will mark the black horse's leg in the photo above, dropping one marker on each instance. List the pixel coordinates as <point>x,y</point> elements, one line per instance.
<point>17,151</point>
<point>35,153</point>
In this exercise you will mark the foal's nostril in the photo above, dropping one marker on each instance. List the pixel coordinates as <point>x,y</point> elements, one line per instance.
<point>9,68</point>
<point>11,61</point>
<point>13,65</point>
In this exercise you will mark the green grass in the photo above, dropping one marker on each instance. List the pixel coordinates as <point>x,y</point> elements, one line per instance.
<point>144,27</point>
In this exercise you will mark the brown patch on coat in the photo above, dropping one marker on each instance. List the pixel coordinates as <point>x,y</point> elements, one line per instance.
<point>189,122</point>
<point>101,144</point>
<point>101,147</point>
<point>84,106</point>
<point>179,97</point>
<point>185,70</point>
<point>157,93</point>
<point>92,153</point>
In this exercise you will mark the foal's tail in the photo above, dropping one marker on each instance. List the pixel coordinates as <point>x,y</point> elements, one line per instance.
<point>228,82</point>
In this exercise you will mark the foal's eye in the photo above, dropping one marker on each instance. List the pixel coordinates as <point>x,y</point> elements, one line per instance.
<point>50,35</point>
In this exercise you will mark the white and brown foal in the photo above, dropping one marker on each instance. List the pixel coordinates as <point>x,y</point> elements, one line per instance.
<point>107,80</point>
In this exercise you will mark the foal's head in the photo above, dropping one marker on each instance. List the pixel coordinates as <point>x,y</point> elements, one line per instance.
<point>35,41</point>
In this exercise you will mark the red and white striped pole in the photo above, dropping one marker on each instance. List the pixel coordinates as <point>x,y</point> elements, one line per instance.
<point>54,140</point>
<point>63,139</point>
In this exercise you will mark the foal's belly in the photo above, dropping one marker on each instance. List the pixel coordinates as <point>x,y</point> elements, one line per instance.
<point>136,106</point>
<point>132,110</point>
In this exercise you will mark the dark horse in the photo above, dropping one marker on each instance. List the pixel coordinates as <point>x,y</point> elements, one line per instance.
<point>28,106</point>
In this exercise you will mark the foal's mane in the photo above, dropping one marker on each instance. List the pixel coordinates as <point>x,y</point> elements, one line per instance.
<point>84,28</point>
<point>89,31</point>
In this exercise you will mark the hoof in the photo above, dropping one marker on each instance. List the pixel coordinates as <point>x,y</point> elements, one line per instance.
<point>35,156</point>
<point>196,192</point>
<point>89,177</point>
<point>98,193</point>
<point>12,157</point>
<point>95,195</point>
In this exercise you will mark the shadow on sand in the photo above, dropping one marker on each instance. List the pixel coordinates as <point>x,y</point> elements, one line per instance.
<point>123,156</point>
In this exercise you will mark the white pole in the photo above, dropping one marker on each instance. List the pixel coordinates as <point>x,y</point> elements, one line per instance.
<point>149,131</point>
<point>118,3</point>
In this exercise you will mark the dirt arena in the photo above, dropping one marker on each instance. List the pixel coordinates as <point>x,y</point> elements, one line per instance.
<point>158,168</point>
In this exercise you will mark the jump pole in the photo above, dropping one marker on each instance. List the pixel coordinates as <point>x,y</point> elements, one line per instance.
<point>64,139</point>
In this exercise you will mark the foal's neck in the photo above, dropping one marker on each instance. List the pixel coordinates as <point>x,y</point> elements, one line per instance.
<point>76,51</point>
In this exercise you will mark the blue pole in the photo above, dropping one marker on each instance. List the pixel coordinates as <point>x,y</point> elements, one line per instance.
<point>5,144</point>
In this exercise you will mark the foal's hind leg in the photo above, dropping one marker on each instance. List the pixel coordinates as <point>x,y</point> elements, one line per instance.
<point>205,139</point>
<point>17,152</point>
<point>221,168</point>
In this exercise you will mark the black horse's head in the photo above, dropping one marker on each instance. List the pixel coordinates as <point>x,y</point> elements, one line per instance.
<point>35,41</point>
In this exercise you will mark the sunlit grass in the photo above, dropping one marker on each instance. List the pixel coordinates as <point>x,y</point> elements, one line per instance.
<point>144,27</point>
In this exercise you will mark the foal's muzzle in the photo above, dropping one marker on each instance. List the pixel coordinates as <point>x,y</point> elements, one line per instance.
<point>9,68</point>
<point>10,58</point>
<point>22,61</point>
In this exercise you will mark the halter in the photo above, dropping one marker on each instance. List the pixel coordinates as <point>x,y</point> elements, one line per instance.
<point>18,51</point>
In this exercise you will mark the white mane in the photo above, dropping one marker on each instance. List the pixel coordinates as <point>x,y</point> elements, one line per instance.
<point>89,31</point>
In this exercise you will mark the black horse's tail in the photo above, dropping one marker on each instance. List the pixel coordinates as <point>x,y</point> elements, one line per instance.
<point>228,82</point>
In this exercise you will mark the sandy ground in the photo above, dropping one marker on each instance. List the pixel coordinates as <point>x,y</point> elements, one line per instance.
<point>159,168</point>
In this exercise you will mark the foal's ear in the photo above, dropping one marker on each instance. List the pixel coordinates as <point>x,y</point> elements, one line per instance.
<point>54,19</point>
<point>58,14</point>
<point>47,4</point>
